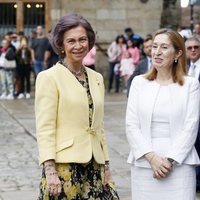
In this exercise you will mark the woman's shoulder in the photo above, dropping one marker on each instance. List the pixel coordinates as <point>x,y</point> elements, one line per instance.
<point>140,79</point>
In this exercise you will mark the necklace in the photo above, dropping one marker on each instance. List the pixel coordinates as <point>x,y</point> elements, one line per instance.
<point>77,74</point>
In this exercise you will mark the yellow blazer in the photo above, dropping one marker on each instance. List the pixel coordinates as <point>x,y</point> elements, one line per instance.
<point>62,117</point>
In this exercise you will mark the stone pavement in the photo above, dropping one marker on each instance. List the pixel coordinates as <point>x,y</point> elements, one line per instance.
<point>19,170</point>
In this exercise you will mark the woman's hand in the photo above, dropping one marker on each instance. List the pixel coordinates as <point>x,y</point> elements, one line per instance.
<point>53,182</point>
<point>161,166</point>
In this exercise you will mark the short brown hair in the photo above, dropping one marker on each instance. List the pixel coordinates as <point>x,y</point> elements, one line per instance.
<point>179,67</point>
<point>66,23</point>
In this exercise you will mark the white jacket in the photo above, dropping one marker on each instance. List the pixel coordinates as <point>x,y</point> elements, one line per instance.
<point>184,120</point>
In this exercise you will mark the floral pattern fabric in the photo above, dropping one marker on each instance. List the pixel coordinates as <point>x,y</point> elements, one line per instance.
<point>79,182</point>
<point>85,84</point>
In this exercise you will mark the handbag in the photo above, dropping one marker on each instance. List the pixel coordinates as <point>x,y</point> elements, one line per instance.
<point>7,64</point>
<point>110,192</point>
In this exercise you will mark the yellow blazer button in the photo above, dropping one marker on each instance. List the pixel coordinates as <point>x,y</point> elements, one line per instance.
<point>91,131</point>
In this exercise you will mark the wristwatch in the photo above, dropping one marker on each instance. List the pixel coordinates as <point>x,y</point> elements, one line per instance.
<point>172,161</point>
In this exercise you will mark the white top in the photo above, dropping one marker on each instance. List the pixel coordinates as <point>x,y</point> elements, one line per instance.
<point>160,116</point>
<point>149,62</point>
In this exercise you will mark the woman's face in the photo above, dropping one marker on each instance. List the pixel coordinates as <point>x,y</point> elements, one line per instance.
<point>75,44</point>
<point>5,44</point>
<point>163,52</point>
<point>129,43</point>
<point>120,40</point>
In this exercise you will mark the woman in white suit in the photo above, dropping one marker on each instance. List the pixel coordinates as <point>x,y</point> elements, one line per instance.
<point>161,124</point>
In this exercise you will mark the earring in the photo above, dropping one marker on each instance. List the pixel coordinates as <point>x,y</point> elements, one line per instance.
<point>175,60</point>
<point>62,51</point>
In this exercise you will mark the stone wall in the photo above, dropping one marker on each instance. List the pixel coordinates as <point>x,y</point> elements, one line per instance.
<point>110,17</point>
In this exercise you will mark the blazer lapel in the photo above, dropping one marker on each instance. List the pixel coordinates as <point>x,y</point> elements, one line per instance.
<point>150,92</point>
<point>94,84</point>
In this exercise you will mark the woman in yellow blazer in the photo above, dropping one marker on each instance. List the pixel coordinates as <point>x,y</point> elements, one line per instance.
<point>69,107</point>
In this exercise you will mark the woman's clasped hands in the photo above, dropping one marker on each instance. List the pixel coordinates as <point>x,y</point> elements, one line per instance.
<point>160,165</point>
<point>53,182</point>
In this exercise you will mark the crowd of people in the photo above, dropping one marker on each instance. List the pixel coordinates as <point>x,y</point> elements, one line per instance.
<point>21,56</point>
<point>123,55</point>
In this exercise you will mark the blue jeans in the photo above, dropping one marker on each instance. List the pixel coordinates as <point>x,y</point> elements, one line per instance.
<point>38,66</point>
<point>7,83</point>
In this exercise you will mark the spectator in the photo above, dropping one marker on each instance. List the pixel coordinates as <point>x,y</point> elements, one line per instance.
<point>15,40</point>
<point>39,46</point>
<point>134,51</point>
<point>126,67</point>
<point>7,65</point>
<point>144,65</point>
<point>50,57</point>
<point>31,38</point>
<point>23,56</point>
<point>90,59</point>
<point>115,52</point>
<point>197,30</point>
<point>136,39</point>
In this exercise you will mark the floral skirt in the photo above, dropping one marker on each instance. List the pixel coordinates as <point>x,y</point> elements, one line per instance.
<point>79,182</point>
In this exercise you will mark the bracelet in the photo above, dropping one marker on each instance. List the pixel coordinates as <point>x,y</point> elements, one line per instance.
<point>172,161</point>
<point>51,173</point>
<point>107,165</point>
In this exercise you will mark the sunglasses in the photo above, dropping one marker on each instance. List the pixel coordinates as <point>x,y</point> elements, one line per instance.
<point>192,47</point>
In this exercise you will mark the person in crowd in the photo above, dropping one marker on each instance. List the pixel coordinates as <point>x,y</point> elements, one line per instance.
<point>144,65</point>
<point>15,40</point>
<point>127,67</point>
<point>75,162</point>
<point>32,37</point>
<point>115,52</point>
<point>136,39</point>
<point>90,59</point>
<point>50,57</point>
<point>134,51</point>
<point>38,50</point>
<point>8,37</point>
<point>162,122</point>
<point>197,30</point>
<point>7,56</point>
<point>16,77</point>
<point>193,54</point>
<point>184,32</point>
<point>23,57</point>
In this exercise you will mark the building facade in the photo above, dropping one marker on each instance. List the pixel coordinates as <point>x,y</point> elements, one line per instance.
<point>108,17</point>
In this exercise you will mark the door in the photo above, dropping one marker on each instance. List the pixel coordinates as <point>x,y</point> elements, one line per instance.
<point>24,15</point>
